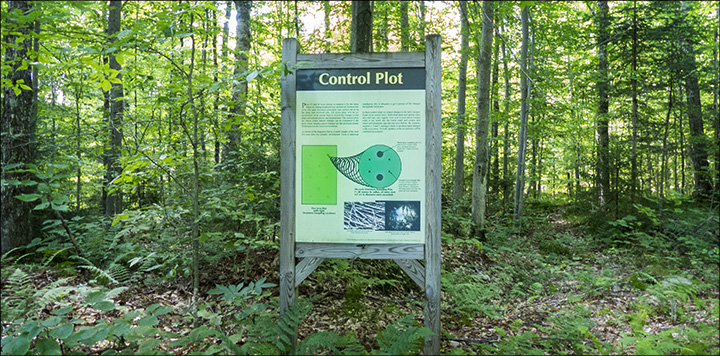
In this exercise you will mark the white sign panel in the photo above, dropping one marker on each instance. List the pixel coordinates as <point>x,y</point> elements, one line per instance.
<point>360,136</point>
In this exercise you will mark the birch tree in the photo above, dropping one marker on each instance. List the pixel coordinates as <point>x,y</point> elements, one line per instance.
<point>524,111</point>
<point>482,157</point>
<point>459,179</point>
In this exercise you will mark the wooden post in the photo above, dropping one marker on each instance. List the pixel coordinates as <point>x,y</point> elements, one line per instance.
<point>433,141</point>
<point>287,175</point>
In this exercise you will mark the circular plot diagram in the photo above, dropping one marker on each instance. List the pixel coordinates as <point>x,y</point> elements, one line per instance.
<point>379,166</point>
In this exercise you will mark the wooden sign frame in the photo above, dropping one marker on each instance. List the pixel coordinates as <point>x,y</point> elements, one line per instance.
<point>407,256</point>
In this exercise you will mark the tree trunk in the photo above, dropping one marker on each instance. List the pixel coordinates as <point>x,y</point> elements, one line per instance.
<point>603,137</point>
<point>698,140</point>
<point>404,27</point>
<point>524,110</point>
<point>682,147</point>
<point>113,201</point>
<point>18,131</point>
<point>480,171</point>
<point>240,86</point>
<point>633,159</point>
<point>196,179</point>
<point>459,182</point>
<point>383,40</point>
<point>361,27</point>
<point>506,179</point>
<point>494,158</point>
<point>78,183</point>
<point>328,32</point>
<point>422,19</point>
<point>716,99</point>
<point>663,164</point>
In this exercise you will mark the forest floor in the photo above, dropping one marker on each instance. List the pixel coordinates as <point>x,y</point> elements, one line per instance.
<point>548,290</point>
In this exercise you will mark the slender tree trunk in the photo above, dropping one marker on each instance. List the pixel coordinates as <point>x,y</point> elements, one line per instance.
<point>404,27</point>
<point>240,86</point>
<point>603,137</point>
<point>716,103</point>
<point>361,27</point>
<point>663,164</point>
<point>216,102</point>
<point>196,179</point>
<point>459,182</point>
<point>495,171</point>
<point>78,184</point>
<point>18,124</point>
<point>383,41</point>
<point>506,180</point>
<point>524,111</point>
<point>540,168</point>
<point>113,202</point>
<point>682,147</point>
<point>296,21</point>
<point>328,32</point>
<point>633,159</point>
<point>482,164</point>
<point>422,19</point>
<point>226,30</point>
<point>675,154</point>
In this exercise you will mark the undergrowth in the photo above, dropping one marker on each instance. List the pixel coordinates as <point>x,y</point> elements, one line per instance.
<point>555,286</point>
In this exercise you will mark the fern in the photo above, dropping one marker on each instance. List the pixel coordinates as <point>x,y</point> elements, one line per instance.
<point>268,336</point>
<point>402,337</point>
<point>120,273</point>
<point>17,295</point>
<point>52,292</point>
<point>90,266</point>
<point>49,258</point>
<point>329,342</point>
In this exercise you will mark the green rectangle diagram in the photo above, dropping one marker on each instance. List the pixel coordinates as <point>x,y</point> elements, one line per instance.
<point>318,175</point>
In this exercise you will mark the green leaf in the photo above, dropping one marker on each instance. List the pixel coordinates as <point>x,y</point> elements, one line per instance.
<point>51,321</point>
<point>63,310</point>
<point>41,206</point>
<point>149,320</point>
<point>146,346</point>
<point>28,197</point>
<point>105,85</point>
<point>95,297</point>
<point>163,310</point>
<point>96,334</point>
<point>118,218</point>
<point>62,331</point>
<point>120,328</point>
<point>62,207</point>
<point>104,305</point>
<point>17,345</point>
<point>47,347</point>
<point>123,33</point>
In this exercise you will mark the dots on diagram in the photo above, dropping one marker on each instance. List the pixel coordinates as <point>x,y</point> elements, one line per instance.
<point>379,166</point>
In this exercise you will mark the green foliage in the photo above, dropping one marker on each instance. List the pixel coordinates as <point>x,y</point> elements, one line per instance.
<point>402,337</point>
<point>470,296</point>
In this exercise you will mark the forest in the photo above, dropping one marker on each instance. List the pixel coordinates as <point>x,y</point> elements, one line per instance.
<point>141,190</point>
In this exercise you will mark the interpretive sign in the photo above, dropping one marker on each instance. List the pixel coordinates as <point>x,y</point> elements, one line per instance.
<point>360,166</point>
<point>360,155</point>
